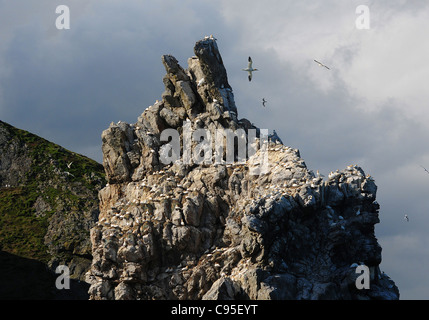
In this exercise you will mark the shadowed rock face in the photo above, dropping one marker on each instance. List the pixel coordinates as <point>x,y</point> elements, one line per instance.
<point>28,279</point>
<point>220,231</point>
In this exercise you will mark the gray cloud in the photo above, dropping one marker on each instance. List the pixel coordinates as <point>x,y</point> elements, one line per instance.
<point>68,85</point>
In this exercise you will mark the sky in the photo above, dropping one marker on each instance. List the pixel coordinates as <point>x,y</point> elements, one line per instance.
<point>369,109</point>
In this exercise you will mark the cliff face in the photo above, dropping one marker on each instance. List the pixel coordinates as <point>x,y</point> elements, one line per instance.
<point>264,227</point>
<point>48,201</point>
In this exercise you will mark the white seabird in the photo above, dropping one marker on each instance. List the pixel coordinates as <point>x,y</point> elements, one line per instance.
<point>68,173</point>
<point>406,218</point>
<point>319,175</point>
<point>69,164</point>
<point>201,82</point>
<point>321,64</point>
<point>250,69</point>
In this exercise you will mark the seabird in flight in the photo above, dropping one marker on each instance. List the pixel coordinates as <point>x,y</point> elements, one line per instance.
<point>424,169</point>
<point>68,173</point>
<point>406,218</point>
<point>264,101</point>
<point>250,69</point>
<point>321,64</point>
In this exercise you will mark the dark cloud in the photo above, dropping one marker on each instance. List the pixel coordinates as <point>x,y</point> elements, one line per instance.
<point>69,85</point>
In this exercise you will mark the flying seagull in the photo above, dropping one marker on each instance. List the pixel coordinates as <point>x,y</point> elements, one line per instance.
<point>321,64</point>
<point>69,164</point>
<point>424,169</point>
<point>264,101</point>
<point>250,69</point>
<point>406,218</point>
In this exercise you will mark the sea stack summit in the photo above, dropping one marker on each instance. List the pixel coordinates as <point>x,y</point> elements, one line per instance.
<point>214,230</point>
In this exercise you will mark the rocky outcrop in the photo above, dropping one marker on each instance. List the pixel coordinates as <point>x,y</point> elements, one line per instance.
<point>263,227</point>
<point>48,201</point>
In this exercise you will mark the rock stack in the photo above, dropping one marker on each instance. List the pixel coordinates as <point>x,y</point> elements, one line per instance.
<point>217,230</point>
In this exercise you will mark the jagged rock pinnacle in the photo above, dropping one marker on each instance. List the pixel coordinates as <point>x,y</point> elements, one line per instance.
<point>188,231</point>
<point>200,93</point>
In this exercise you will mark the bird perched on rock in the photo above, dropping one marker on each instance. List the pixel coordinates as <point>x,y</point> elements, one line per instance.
<point>250,69</point>
<point>319,174</point>
<point>201,82</point>
<point>274,137</point>
<point>321,64</point>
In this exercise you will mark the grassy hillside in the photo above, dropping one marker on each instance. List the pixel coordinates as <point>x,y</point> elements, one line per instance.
<point>48,199</point>
<point>22,233</point>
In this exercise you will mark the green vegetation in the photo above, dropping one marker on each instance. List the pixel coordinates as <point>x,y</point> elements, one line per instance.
<point>65,182</point>
<point>21,232</point>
